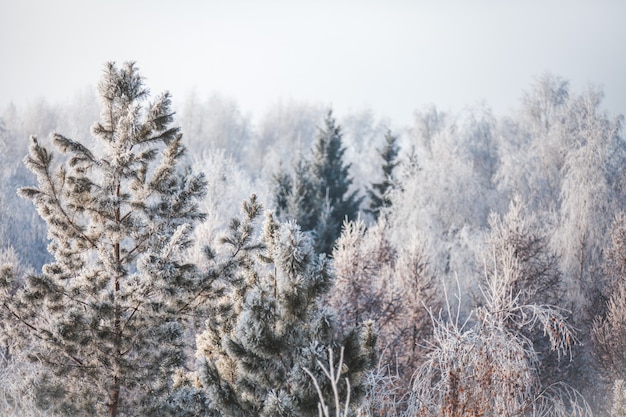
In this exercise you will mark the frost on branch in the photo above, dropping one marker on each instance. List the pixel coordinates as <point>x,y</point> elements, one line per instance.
<point>486,366</point>
<point>377,281</point>
<point>271,325</point>
<point>333,374</point>
<point>104,318</point>
<point>609,326</point>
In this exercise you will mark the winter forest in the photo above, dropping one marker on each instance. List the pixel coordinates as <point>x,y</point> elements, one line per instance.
<point>184,261</point>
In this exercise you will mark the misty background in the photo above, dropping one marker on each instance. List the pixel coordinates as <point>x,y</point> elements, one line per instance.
<point>391,57</point>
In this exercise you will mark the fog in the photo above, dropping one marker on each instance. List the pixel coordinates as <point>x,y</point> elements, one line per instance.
<point>393,58</point>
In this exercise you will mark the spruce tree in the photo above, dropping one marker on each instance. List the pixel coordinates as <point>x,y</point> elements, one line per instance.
<point>272,325</point>
<point>295,195</point>
<point>103,319</point>
<point>379,193</point>
<point>320,187</point>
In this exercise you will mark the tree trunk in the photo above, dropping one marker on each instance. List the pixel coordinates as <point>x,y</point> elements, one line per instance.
<point>117,328</point>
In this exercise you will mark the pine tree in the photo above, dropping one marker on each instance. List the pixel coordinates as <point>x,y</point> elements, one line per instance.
<point>320,189</point>
<point>104,317</point>
<point>379,193</point>
<point>272,325</point>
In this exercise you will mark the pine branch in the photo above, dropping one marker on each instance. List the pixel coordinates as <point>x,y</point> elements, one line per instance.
<point>19,318</point>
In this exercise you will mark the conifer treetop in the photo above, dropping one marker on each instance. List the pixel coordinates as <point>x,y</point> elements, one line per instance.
<point>104,317</point>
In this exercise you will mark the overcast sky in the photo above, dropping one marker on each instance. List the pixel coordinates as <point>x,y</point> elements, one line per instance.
<point>391,56</point>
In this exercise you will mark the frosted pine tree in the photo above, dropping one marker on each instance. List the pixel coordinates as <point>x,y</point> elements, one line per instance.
<point>104,318</point>
<point>272,325</point>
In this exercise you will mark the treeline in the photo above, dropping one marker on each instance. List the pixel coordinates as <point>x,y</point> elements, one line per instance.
<point>466,265</point>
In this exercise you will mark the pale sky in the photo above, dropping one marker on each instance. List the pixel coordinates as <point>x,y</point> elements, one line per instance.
<point>391,56</point>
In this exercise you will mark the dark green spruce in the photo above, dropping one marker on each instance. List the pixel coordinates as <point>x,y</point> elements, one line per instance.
<point>379,192</point>
<point>317,193</point>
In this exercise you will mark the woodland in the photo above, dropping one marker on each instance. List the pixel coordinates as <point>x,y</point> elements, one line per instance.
<point>185,260</point>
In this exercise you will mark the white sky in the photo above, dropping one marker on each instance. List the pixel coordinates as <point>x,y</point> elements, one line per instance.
<point>391,56</point>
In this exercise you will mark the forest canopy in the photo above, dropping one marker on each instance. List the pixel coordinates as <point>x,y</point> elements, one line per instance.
<point>189,261</point>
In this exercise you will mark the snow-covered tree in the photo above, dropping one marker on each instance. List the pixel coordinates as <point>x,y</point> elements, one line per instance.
<point>564,155</point>
<point>485,367</point>
<point>363,136</point>
<point>445,191</point>
<point>533,146</point>
<point>379,192</point>
<point>20,226</point>
<point>538,279</point>
<point>609,334</point>
<point>284,132</point>
<point>591,191</point>
<point>609,329</point>
<point>321,189</point>
<point>295,195</point>
<point>364,261</point>
<point>17,394</point>
<point>216,123</point>
<point>228,184</point>
<point>376,281</point>
<point>270,328</point>
<point>104,318</point>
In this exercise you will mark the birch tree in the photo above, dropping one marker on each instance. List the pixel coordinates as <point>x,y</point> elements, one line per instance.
<point>484,366</point>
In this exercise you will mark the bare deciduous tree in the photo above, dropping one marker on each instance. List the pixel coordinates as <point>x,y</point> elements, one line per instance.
<point>483,367</point>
